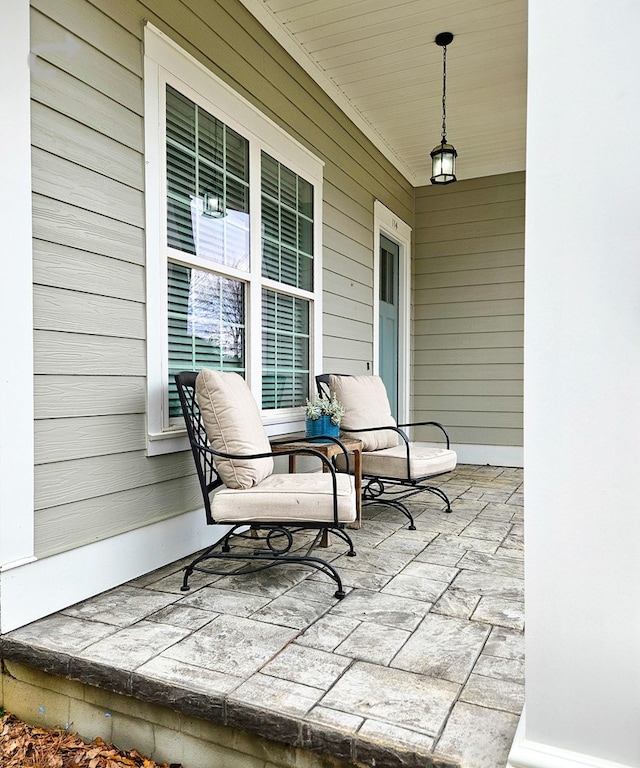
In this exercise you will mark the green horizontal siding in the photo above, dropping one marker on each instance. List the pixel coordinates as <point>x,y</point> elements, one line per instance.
<point>468,312</point>
<point>93,479</point>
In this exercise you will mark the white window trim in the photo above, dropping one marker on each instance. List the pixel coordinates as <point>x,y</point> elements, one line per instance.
<point>387,223</point>
<point>165,61</point>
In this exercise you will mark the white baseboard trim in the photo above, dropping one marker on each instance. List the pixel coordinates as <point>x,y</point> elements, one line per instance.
<point>496,455</point>
<point>42,587</point>
<point>533,754</point>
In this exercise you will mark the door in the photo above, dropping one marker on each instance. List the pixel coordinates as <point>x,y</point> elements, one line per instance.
<point>389,258</point>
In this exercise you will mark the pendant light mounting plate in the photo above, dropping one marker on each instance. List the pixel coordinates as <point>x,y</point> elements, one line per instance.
<point>444,38</point>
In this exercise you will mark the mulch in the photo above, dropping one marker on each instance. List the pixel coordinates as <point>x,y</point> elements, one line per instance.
<point>27,746</point>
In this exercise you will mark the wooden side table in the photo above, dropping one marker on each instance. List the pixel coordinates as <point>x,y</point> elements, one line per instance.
<point>329,449</point>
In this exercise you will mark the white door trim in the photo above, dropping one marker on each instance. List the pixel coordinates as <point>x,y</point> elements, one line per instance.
<point>387,223</point>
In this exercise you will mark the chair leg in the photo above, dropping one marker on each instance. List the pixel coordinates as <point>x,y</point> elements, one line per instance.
<point>341,533</point>
<point>185,581</point>
<point>328,569</point>
<point>189,569</point>
<point>372,490</point>
<point>376,492</point>
<point>226,547</point>
<point>440,494</point>
<point>261,559</point>
<point>396,505</point>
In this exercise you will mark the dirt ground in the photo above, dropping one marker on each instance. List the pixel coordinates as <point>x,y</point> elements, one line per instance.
<point>26,746</point>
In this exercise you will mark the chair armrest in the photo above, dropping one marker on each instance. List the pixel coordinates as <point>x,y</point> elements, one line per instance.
<point>429,424</point>
<point>397,430</point>
<point>273,454</point>
<point>286,452</point>
<point>407,443</point>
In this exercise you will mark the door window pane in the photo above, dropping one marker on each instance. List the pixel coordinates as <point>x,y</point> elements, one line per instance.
<point>389,253</point>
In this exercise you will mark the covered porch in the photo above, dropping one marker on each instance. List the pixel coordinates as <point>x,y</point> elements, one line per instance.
<point>74,366</point>
<point>422,664</point>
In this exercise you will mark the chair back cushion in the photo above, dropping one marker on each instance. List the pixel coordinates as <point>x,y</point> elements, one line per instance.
<point>366,405</point>
<point>233,425</point>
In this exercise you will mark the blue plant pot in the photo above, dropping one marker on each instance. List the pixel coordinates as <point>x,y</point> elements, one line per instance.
<point>322,426</point>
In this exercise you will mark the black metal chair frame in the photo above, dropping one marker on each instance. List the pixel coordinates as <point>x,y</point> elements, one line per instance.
<point>279,538</point>
<point>394,491</point>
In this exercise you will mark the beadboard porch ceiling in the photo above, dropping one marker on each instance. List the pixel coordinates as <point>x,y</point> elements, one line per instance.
<point>378,61</point>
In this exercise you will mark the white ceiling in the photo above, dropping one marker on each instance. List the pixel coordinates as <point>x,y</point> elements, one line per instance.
<point>378,60</point>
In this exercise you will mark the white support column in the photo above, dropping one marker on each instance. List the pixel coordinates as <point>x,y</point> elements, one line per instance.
<point>16,306</point>
<point>582,388</point>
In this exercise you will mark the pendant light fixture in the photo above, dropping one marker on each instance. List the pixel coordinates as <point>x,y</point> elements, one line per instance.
<point>213,205</point>
<point>443,157</point>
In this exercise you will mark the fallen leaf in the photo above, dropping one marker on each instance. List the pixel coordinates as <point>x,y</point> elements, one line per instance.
<point>26,746</point>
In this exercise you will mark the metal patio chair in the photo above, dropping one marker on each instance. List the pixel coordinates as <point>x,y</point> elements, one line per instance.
<point>394,468</point>
<point>268,513</point>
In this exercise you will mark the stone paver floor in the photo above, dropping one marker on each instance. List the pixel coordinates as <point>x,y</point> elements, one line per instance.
<point>423,658</point>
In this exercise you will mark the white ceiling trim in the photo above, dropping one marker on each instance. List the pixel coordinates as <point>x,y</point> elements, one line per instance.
<point>270,22</point>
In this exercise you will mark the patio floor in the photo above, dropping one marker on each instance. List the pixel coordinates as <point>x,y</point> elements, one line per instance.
<point>421,664</point>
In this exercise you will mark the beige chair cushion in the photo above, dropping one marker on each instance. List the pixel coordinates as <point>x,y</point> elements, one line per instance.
<point>296,498</point>
<point>366,405</point>
<point>424,461</point>
<point>233,425</point>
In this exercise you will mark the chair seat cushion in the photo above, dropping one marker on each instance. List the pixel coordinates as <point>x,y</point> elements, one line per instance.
<point>302,497</point>
<point>425,461</point>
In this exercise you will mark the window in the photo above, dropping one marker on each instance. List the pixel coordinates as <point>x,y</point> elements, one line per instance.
<point>233,245</point>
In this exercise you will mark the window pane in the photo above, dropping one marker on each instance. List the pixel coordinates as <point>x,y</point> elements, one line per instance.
<point>236,244</point>
<point>305,198</point>
<point>301,354</point>
<point>181,119</point>
<point>207,185</point>
<point>269,176</point>
<point>288,187</point>
<point>237,197</point>
<point>285,355</point>
<point>305,267</point>
<point>206,324</point>
<point>288,266</point>
<point>288,228</point>
<point>237,154</point>
<point>181,173</point>
<point>287,225</point>
<point>305,237</point>
<point>270,221</point>
<point>179,231</point>
<point>271,260</point>
<point>210,138</point>
<point>210,181</point>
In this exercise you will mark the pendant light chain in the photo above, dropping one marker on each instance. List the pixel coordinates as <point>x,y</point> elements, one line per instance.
<point>444,94</point>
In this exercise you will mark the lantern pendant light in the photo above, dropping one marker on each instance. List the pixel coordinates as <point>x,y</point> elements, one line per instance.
<point>213,206</point>
<point>443,157</point>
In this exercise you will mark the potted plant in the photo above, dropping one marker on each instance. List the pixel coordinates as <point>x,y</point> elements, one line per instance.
<point>323,416</point>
